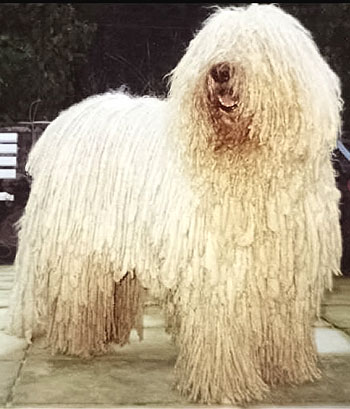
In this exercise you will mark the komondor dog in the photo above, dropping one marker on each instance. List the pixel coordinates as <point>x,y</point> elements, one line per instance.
<point>220,199</point>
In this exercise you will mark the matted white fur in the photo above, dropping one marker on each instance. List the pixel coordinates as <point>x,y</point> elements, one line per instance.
<point>221,199</point>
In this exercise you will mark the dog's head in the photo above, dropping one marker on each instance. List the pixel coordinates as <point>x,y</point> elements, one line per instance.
<point>252,74</point>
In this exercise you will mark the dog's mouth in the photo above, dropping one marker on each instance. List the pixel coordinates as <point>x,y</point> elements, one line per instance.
<point>227,103</point>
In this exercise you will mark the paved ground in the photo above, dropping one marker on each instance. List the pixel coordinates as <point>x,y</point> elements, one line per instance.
<point>140,374</point>
<point>336,307</point>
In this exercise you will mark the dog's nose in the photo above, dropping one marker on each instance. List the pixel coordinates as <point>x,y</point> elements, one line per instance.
<point>220,73</point>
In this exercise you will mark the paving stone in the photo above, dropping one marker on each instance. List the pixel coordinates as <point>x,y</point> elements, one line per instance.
<point>341,281</point>
<point>149,382</point>
<point>8,375</point>
<point>153,317</point>
<point>339,315</point>
<point>142,373</point>
<point>332,388</point>
<point>138,373</point>
<point>332,341</point>
<point>11,347</point>
<point>91,382</point>
<point>339,296</point>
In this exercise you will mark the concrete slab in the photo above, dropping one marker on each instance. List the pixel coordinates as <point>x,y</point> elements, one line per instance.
<point>341,281</point>
<point>11,348</point>
<point>333,388</point>
<point>332,341</point>
<point>149,382</point>
<point>338,315</point>
<point>8,375</point>
<point>340,294</point>
<point>94,382</point>
<point>153,317</point>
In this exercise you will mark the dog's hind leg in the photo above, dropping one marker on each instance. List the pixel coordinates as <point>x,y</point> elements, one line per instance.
<point>84,318</point>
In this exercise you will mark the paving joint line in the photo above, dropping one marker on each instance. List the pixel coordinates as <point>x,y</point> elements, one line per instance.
<point>10,396</point>
<point>336,326</point>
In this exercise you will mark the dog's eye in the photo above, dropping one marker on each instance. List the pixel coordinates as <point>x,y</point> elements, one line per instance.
<point>220,73</point>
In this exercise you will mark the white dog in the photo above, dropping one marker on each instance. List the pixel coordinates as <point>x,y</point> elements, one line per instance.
<point>222,197</point>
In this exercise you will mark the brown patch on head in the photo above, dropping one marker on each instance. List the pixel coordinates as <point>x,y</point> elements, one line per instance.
<point>225,107</point>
